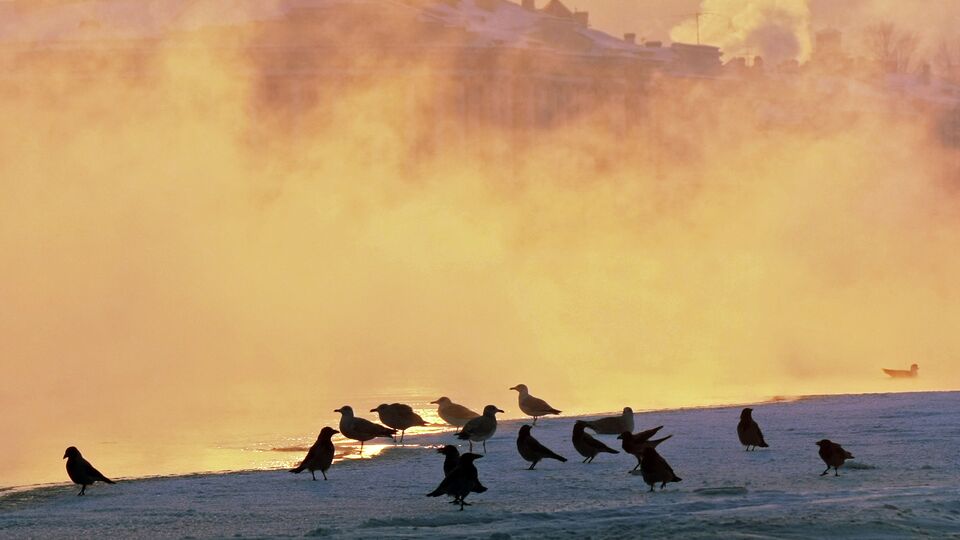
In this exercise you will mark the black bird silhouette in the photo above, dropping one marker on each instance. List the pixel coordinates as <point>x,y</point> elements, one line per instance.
<point>635,443</point>
<point>833,455</point>
<point>461,481</point>
<point>531,449</point>
<point>749,431</point>
<point>586,444</point>
<point>451,458</point>
<point>81,471</point>
<point>450,462</point>
<point>320,455</point>
<point>655,469</point>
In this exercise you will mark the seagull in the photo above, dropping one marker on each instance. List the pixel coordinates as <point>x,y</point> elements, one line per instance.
<point>586,444</point>
<point>399,416</point>
<point>360,429</point>
<point>533,406</point>
<point>481,428</point>
<point>612,425</point>
<point>749,431</point>
<point>453,413</point>
<point>461,481</point>
<point>532,450</point>
<point>320,455</point>
<point>833,455</point>
<point>81,471</point>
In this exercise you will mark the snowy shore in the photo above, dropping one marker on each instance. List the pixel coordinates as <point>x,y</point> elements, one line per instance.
<point>905,481</point>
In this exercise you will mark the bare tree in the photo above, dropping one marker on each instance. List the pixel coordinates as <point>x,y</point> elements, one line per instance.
<point>892,50</point>
<point>947,60</point>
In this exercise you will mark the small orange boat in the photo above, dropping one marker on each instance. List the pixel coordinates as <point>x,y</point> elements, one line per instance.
<point>902,373</point>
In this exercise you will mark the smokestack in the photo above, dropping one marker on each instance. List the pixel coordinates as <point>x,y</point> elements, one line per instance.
<point>581,18</point>
<point>630,37</point>
<point>530,5</point>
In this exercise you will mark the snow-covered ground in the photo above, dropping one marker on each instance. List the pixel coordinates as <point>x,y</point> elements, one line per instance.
<point>905,481</point>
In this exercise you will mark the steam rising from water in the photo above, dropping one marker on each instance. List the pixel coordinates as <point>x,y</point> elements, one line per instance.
<point>184,258</point>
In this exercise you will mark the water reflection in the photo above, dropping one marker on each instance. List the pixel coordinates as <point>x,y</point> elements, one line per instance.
<point>133,457</point>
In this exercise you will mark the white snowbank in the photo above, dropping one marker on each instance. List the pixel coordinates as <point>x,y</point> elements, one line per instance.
<point>903,482</point>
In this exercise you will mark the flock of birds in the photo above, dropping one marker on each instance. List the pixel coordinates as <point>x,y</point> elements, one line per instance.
<point>460,474</point>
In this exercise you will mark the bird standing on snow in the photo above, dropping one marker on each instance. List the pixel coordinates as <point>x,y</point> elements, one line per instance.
<point>81,471</point>
<point>480,428</point>
<point>833,455</point>
<point>399,416</point>
<point>533,406</point>
<point>749,431</point>
<point>452,413</point>
<point>612,425</point>
<point>360,429</point>
<point>655,469</point>
<point>320,455</point>
<point>532,450</point>
<point>461,481</point>
<point>586,445</point>
<point>635,443</point>
<point>451,460</point>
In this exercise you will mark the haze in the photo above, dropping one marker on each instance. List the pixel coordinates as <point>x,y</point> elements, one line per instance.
<point>181,260</point>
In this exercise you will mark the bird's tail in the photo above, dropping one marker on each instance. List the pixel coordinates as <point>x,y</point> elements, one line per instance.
<point>677,478</point>
<point>848,455</point>
<point>463,436</point>
<point>655,442</point>
<point>609,450</point>
<point>763,444</point>
<point>435,493</point>
<point>559,458</point>
<point>107,480</point>
<point>554,411</point>
<point>298,469</point>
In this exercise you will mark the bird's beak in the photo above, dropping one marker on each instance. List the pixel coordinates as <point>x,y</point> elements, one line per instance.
<point>373,410</point>
<point>499,410</point>
<point>335,432</point>
<point>336,410</point>
<point>436,402</point>
<point>512,388</point>
<point>64,456</point>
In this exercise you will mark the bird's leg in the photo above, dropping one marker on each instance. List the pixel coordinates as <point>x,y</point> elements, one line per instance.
<point>638,464</point>
<point>484,447</point>
<point>361,449</point>
<point>324,475</point>
<point>663,485</point>
<point>471,445</point>
<point>836,471</point>
<point>401,435</point>
<point>313,475</point>
<point>651,488</point>
<point>584,460</point>
<point>824,473</point>
<point>532,465</point>
<point>534,420</point>
<point>83,488</point>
